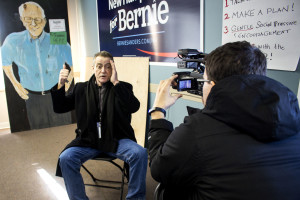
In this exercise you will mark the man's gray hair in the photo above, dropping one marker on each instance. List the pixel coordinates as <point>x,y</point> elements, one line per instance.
<point>22,6</point>
<point>103,53</point>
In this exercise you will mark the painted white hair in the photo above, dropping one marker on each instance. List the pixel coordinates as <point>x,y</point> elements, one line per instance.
<point>21,8</point>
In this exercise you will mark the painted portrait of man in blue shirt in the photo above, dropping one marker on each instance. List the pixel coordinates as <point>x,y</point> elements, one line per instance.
<point>39,64</point>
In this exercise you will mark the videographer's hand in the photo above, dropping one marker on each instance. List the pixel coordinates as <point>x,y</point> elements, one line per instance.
<point>163,97</point>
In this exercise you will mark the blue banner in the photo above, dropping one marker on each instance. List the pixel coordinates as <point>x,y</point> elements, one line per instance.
<point>156,28</point>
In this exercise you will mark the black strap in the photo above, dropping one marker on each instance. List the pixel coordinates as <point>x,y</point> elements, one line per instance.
<point>157,109</point>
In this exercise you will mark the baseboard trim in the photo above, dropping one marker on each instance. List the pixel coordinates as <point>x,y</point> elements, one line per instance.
<point>4,125</point>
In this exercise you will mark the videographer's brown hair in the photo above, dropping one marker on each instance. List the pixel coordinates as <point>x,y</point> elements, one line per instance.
<point>236,58</point>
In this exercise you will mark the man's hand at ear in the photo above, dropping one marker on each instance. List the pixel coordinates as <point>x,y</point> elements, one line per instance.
<point>114,75</point>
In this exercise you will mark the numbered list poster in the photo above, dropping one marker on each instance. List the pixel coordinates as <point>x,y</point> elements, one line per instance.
<point>272,26</point>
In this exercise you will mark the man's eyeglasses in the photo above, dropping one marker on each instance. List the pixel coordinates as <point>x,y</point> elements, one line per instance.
<point>204,80</point>
<point>37,20</point>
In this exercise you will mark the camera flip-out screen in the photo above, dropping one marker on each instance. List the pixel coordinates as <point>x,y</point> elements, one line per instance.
<point>184,84</point>
<point>187,65</point>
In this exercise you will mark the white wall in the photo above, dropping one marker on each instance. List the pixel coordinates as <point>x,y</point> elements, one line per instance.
<point>1,75</point>
<point>4,121</point>
<point>84,36</point>
<point>77,38</point>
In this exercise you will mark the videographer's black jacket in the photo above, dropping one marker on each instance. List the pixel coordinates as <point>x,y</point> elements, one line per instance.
<point>244,145</point>
<point>119,103</point>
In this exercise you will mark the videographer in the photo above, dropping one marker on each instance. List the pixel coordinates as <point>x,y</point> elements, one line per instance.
<point>244,144</point>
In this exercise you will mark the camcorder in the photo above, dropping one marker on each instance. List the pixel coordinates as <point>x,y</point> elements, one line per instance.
<point>190,81</point>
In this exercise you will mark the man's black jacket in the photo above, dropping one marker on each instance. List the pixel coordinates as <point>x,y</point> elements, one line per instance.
<point>244,145</point>
<point>119,103</point>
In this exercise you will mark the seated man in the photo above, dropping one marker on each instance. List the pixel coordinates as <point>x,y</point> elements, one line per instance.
<point>103,108</point>
<point>244,144</point>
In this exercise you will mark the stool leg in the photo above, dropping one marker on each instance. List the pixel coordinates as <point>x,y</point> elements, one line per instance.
<point>94,179</point>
